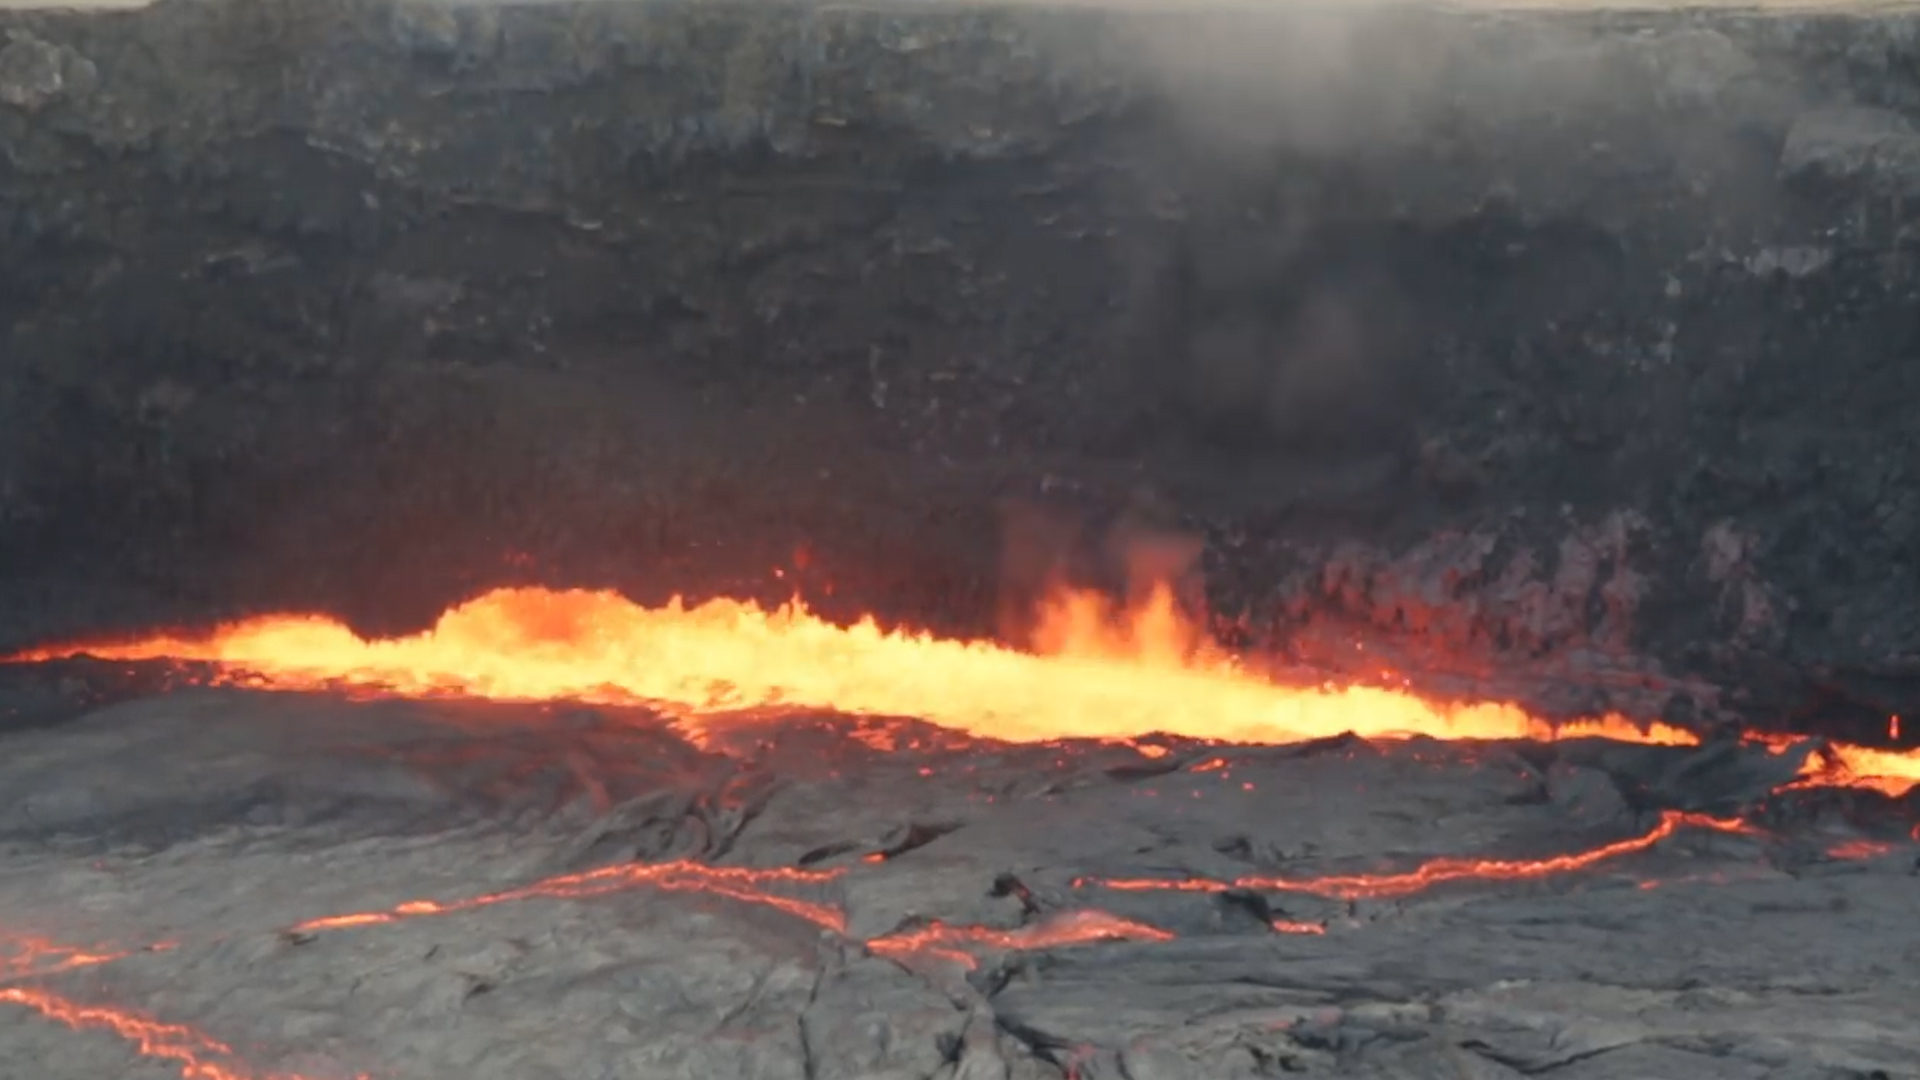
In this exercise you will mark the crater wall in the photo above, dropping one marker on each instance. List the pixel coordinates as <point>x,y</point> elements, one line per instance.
<point>1566,354</point>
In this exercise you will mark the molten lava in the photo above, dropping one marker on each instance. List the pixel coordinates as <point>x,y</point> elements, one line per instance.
<point>1893,773</point>
<point>1101,673</point>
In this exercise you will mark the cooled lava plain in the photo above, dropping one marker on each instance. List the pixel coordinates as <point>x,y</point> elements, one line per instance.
<point>561,834</point>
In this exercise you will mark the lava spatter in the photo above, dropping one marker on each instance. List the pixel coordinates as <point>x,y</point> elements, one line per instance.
<point>1434,872</point>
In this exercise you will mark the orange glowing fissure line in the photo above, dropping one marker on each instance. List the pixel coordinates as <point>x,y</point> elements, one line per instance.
<point>739,883</point>
<point>754,886</point>
<point>196,1055</point>
<point>34,957</point>
<point>1435,872</point>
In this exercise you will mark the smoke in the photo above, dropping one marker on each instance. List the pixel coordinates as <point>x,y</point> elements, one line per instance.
<point>1320,170</point>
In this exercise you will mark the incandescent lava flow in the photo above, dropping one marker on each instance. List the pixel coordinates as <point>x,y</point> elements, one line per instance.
<point>1100,673</point>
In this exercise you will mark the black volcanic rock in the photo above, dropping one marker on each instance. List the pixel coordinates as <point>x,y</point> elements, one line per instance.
<point>1536,350</point>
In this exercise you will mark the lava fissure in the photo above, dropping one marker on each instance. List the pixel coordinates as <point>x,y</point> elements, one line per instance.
<point>25,957</point>
<point>200,1057</point>
<point>1433,872</point>
<point>196,1055</point>
<point>739,883</point>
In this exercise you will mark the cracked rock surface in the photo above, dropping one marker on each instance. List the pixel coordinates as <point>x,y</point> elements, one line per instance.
<point>792,898</point>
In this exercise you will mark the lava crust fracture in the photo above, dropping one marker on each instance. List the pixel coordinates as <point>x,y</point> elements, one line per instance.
<point>221,884</point>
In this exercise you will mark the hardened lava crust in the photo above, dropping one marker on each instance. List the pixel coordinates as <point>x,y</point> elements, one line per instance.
<point>219,885</point>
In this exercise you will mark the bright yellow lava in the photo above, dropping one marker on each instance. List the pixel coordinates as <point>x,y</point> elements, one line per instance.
<point>1100,673</point>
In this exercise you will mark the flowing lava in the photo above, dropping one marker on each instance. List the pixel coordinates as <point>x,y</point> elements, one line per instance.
<point>1893,773</point>
<point>1101,673</point>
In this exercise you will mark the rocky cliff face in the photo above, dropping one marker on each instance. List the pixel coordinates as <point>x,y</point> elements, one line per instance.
<point>1511,346</point>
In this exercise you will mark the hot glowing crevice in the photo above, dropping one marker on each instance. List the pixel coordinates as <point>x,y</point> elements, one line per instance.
<point>196,1055</point>
<point>200,1057</point>
<point>739,883</point>
<point>24,957</point>
<point>1104,674</point>
<point>762,887</point>
<point>1072,928</point>
<point>1435,872</point>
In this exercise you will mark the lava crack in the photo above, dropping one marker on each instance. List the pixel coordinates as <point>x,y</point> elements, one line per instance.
<point>738,883</point>
<point>1435,872</point>
<point>197,1055</point>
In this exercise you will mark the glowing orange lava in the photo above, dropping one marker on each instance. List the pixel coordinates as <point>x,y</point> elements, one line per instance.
<point>759,886</point>
<point>1893,773</point>
<point>1848,850</point>
<point>1072,928</point>
<point>1103,673</point>
<point>1435,872</point>
<point>739,883</point>
<point>33,957</point>
<point>197,1056</point>
<point>1291,926</point>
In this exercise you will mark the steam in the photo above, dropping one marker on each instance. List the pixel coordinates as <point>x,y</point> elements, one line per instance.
<point>1314,157</point>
